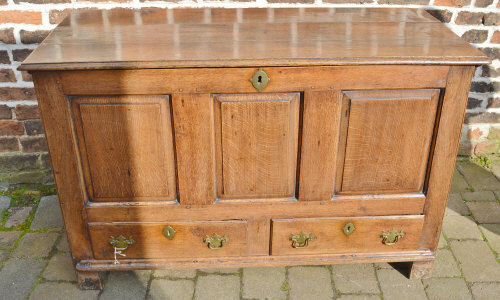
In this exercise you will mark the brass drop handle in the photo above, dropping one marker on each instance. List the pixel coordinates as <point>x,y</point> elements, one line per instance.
<point>169,232</point>
<point>120,243</point>
<point>215,241</point>
<point>392,236</point>
<point>301,240</point>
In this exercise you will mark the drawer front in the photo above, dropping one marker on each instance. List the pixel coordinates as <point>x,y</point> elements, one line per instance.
<point>323,236</point>
<point>158,240</point>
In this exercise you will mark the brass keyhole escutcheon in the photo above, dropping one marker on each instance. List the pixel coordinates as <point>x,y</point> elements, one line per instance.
<point>348,228</point>
<point>392,236</point>
<point>260,80</point>
<point>169,232</point>
<point>215,241</point>
<point>301,240</point>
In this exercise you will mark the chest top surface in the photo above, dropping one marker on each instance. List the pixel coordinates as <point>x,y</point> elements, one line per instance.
<point>218,37</point>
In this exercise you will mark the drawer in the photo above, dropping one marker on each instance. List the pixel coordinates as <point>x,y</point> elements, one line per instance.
<point>158,240</point>
<point>365,234</point>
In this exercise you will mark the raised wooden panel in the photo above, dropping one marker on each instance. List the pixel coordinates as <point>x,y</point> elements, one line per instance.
<point>126,147</point>
<point>387,137</point>
<point>330,238</point>
<point>187,241</point>
<point>257,138</point>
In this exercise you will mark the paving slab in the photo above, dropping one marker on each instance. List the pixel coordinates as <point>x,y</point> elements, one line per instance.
<point>492,234</point>
<point>485,212</point>
<point>359,297</point>
<point>176,273</point>
<point>397,286</point>
<point>60,267</point>
<point>486,291</point>
<point>63,245</point>
<point>8,238</point>
<point>476,260</point>
<point>497,194</point>
<point>18,216</point>
<point>221,270</point>
<point>460,227</point>
<point>310,283</point>
<point>18,276</point>
<point>48,214</point>
<point>263,283</point>
<point>62,290</point>
<point>479,196</point>
<point>3,255</point>
<point>445,265</point>
<point>214,286</point>
<point>458,184</point>
<point>171,289</point>
<point>4,203</point>
<point>35,245</point>
<point>456,206</point>
<point>355,278</point>
<point>479,178</point>
<point>124,285</point>
<point>447,289</point>
<point>442,242</point>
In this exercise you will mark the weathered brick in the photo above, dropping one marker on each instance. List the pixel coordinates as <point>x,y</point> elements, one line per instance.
<point>56,16</point>
<point>33,127</point>
<point>21,54</point>
<point>34,144</point>
<point>468,18</point>
<point>45,159</point>
<point>475,36</point>
<point>26,76</point>
<point>487,147</point>
<point>473,103</point>
<point>8,144</point>
<point>26,112</point>
<point>491,19</point>
<point>348,1</point>
<point>18,162</point>
<point>291,1</point>
<point>495,38</point>
<point>33,37</point>
<point>11,128</point>
<point>17,94</point>
<point>4,57</point>
<point>489,71</point>
<point>3,2</point>
<point>5,112</point>
<point>493,103</point>
<point>457,3</point>
<point>483,3</point>
<point>21,16</point>
<point>472,134</point>
<point>483,117</point>
<point>481,87</point>
<point>442,15</point>
<point>403,2</point>
<point>7,75</point>
<point>7,36</point>
<point>42,1</point>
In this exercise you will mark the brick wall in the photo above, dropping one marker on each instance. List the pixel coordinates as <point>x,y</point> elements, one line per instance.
<point>24,24</point>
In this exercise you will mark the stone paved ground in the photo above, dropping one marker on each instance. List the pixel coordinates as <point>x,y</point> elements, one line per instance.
<point>35,262</point>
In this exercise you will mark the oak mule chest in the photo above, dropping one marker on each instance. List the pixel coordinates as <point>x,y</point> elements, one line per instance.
<point>197,138</point>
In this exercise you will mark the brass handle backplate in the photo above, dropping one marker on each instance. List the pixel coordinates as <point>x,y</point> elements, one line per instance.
<point>301,240</point>
<point>260,80</point>
<point>392,236</point>
<point>348,228</point>
<point>215,241</point>
<point>169,232</point>
<point>120,242</point>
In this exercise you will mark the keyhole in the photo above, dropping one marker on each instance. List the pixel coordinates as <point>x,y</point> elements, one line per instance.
<point>348,228</point>
<point>259,79</point>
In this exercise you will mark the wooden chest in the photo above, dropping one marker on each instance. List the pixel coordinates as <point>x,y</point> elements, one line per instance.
<point>195,138</point>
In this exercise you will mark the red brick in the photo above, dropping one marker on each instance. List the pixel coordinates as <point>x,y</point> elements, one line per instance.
<point>442,15</point>
<point>7,36</point>
<point>483,3</point>
<point>33,127</point>
<point>7,75</point>
<point>475,36</point>
<point>469,18</point>
<point>4,57</point>
<point>33,37</point>
<point>26,76</point>
<point>493,53</point>
<point>348,1</point>
<point>5,112</point>
<point>9,144</point>
<point>27,112</point>
<point>493,103</point>
<point>402,2</point>
<point>474,134</point>
<point>495,38</point>
<point>21,16</point>
<point>491,19</point>
<point>7,94</point>
<point>456,3</point>
<point>291,1</point>
<point>3,2</point>
<point>21,54</point>
<point>11,128</point>
<point>56,16</point>
<point>34,144</point>
<point>42,1</point>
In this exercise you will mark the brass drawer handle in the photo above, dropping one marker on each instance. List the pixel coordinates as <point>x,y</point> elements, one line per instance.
<point>215,241</point>
<point>120,243</point>
<point>169,232</point>
<point>348,228</point>
<point>301,240</point>
<point>392,236</point>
